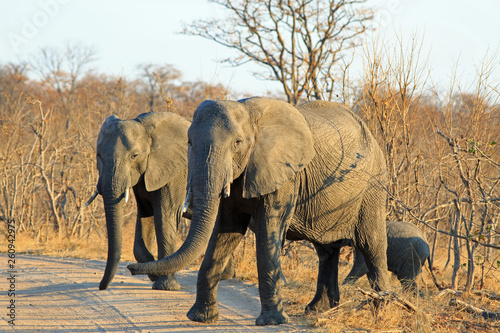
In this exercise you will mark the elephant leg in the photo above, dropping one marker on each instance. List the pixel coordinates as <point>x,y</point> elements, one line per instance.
<point>143,241</point>
<point>371,238</point>
<point>358,268</point>
<point>273,217</point>
<point>227,234</point>
<point>166,238</point>
<point>377,269</point>
<point>408,283</point>
<point>408,274</point>
<point>327,290</point>
<point>229,271</point>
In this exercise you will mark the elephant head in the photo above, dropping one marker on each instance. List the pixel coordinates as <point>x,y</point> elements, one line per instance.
<point>260,143</point>
<point>147,149</point>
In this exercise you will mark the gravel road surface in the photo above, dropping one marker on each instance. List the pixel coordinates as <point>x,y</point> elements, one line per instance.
<point>62,295</point>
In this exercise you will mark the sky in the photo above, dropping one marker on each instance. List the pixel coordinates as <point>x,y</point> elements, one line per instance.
<point>126,33</point>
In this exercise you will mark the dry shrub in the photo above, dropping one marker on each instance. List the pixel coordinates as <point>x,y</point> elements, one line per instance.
<point>48,133</point>
<point>441,150</point>
<point>94,247</point>
<point>444,175</point>
<point>245,259</point>
<point>434,314</point>
<point>442,158</point>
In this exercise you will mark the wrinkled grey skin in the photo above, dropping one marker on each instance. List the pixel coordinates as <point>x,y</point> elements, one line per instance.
<point>407,251</point>
<point>149,155</point>
<point>313,172</point>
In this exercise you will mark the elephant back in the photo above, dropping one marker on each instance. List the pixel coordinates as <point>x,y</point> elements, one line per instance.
<point>335,128</point>
<point>348,162</point>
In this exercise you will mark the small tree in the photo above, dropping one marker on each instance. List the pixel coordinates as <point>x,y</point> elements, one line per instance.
<point>159,82</point>
<point>298,41</point>
<point>61,69</point>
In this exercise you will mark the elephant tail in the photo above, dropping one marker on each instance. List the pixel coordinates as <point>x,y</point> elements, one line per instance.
<point>432,274</point>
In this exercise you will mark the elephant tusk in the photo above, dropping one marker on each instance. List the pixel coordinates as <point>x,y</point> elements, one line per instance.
<point>92,198</point>
<point>127,193</point>
<point>187,202</point>
<point>227,190</point>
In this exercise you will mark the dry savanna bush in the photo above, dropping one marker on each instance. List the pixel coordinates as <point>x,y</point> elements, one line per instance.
<point>442,156</point>
<point>48,137</point>
<point>443,164</point>
<point>441,150</point>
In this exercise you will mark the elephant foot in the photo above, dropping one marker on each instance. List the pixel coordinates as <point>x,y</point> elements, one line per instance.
<point>320,305</point>
<point>204,313</point>
<point>167,282</point>
<point>229,273</point>
<point>349,281</point>
<point>272,318</point>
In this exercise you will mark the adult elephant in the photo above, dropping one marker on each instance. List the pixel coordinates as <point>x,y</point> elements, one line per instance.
<point>313,172</point>
<point>407,252</point>
<point>149,155</point>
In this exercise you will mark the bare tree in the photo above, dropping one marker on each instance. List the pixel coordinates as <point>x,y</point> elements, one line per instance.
<point>298,41</point>
<point>159,81</point>
<point>62,68</point>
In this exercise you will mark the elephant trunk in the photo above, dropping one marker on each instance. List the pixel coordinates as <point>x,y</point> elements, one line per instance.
<point>202,224</point>
<point>114,188</point>
<point>114,223</point>
<point>206,188</point>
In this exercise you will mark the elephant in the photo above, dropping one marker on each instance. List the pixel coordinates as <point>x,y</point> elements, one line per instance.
<point>407,251</point>
<point>312,172</point>
<point>149,155</point>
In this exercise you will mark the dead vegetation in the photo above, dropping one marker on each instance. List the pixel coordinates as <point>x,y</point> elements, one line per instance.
<point>442,156</point>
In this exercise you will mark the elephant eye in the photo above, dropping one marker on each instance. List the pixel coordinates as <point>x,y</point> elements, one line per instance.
<point>238,142</point>
<point>134,155</point>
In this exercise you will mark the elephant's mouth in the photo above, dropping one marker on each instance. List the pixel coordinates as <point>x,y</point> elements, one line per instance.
<point>187,207</point>
<point>126,196</point>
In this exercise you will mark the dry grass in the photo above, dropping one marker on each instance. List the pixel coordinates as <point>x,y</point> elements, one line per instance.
<point>434,313</point>
<point>94,247</point>
<point>441,149</point>
<point>300,268</point>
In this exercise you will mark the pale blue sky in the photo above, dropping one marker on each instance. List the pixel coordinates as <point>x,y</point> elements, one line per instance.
<point>126,33</point>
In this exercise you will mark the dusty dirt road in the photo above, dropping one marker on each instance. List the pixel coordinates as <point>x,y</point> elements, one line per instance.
<point>62,295</point>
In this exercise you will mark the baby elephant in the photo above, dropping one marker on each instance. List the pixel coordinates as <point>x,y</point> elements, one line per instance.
<point>407,250</point>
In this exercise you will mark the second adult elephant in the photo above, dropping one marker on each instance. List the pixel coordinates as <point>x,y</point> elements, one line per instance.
<point>149,155</point>
<point>407,251</point>
<point>310,172</point>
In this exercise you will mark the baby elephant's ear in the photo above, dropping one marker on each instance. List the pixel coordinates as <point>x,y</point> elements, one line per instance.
<point>168,155</point>
<point>283,146</point>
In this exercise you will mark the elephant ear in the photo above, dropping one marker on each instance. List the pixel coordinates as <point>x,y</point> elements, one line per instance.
<point>168,154</point>
<point>283,146</point>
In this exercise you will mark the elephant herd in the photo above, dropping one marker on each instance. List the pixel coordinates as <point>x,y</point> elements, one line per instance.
<point>310,172</point>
